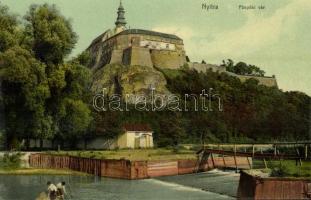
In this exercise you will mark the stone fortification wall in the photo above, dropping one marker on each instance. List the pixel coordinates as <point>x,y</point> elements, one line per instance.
<point>111,50</point>
<point>264,80</point>
<point>147,48</point>
<point>137,56</point>
<point>116,56</point>
<point>167,59</point>
<point>200,67</point>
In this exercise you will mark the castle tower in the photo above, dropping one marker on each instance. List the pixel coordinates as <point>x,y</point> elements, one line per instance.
<point>120,23</point>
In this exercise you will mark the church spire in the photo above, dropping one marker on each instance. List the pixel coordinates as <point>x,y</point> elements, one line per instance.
<point>121,19</point>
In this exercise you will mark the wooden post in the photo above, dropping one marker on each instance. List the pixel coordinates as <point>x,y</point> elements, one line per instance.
<point>212,160</point>
<point>253,151</point>
<point>223,158</point>
<point>298,153</point>
<point>249,163</point>
<point>264,160</point>
<point>235,162</point>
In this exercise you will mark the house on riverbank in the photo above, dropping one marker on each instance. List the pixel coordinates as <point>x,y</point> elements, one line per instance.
<point>132,136</point>
<point>135,136</point>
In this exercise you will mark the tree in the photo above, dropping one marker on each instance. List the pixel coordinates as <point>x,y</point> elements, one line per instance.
<point>52,40</point>
<point>171,129</point>
<point>74,116</point>
<point>52,37</point>
<point>43,95</point>
<point>9,32</point>
<point>25,90</point>
<point>242,68</point>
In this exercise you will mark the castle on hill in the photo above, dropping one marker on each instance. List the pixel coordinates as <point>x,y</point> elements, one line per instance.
<point>149,48</point>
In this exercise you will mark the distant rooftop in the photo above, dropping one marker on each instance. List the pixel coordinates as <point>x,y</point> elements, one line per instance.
<point>135,31</point>
<point>136,127</point>
<point>147,32</point>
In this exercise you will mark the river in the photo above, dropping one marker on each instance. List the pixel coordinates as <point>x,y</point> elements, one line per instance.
<point>209,185</point>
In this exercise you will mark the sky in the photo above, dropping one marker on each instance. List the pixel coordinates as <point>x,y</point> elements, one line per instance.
<point>277,38</point>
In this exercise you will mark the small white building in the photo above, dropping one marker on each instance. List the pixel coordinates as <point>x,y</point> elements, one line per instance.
<point>135,136</point>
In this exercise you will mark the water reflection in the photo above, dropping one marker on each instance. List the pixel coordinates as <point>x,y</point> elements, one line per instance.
<point>92,188</point>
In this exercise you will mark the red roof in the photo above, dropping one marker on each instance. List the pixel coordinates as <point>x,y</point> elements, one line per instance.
<point>136,127</point>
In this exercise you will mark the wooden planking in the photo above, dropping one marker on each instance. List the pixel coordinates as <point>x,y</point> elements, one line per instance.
<point>162,168</point>
<point>271,188</point>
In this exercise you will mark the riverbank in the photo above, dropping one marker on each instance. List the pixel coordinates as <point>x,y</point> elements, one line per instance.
<point>132,154</point>
<point>285,168</point>
<point>35,171</point>
<point>128,169</point>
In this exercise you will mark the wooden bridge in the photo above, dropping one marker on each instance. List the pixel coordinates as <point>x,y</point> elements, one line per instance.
<point>263,152</point>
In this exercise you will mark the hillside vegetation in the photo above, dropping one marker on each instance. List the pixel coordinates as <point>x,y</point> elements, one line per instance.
<point>46,95</point>
<point>251,112</point>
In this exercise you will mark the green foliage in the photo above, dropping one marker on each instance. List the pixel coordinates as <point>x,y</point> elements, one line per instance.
<point>248,110</point>
<point>2,139</point>
<point>75,118</point>
<point>52,37</point>
<point>290,168</point>
<point>10,161</point>
<point>43,96</point>
<point>242,68</point>
<point>83,59</point>
<point>9,33</point>
<point>280,171</point>
<point>171,131</point>
<point>108,124</point>
<point>247,117</point>
<point>25,89</point>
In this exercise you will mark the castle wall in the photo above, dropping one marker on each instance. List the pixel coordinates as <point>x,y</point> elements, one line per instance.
<point>166,52</point>
<point>200,67</point>
<point>167,59</point>
<point>263,80</point>
<point>137,47</point>
<point>116,57</point>
<point>137,56</point>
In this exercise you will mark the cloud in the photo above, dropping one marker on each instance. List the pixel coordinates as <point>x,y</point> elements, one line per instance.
<point>256,33</point>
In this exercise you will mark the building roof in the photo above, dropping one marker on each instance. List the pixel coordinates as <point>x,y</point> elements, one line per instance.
<point>147,32</point>
<point>100,38</point>
<point>136,127</point>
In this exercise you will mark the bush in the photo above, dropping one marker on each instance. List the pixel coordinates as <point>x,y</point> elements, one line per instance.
<point>2,140</point>
<point>280,171</point>
<point>10,161</point>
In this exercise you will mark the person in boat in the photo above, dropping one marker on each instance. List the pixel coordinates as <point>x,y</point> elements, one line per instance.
<point>52,191</point>
<point>61,190</point>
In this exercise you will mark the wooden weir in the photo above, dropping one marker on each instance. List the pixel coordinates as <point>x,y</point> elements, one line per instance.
<point>219,149</point>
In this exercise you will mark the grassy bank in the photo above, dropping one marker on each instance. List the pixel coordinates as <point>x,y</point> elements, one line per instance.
<point>33,171</point>
<point>286,168</point>
<point>10,164</point>
<point>133,154</point>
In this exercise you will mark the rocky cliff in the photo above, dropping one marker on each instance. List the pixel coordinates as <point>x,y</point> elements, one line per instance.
<point>121,79</point>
